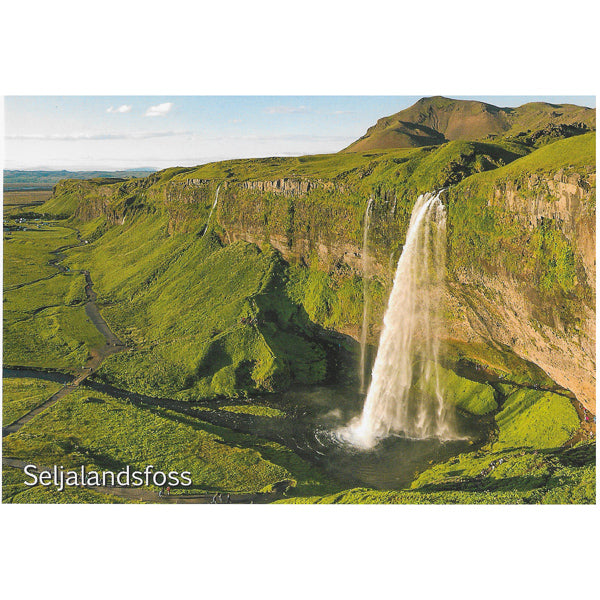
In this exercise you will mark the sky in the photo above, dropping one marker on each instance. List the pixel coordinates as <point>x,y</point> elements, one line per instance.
<point>129,132</point>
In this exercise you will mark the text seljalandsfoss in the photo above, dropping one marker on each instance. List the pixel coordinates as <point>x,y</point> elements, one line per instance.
<point>127,477</point>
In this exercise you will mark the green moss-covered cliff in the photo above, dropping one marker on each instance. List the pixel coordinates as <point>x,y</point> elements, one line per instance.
<point>521,272</point>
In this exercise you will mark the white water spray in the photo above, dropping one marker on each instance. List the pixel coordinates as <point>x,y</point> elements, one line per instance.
<point>211,210</point>
<point>366,303</point>
<point>409,345</point>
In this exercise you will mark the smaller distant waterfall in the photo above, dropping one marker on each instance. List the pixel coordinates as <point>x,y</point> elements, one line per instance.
<point>366,299</point>
<point>211,210</point>
<point>409,346</point>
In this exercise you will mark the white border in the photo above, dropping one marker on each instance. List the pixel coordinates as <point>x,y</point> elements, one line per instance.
<point>453,48</point>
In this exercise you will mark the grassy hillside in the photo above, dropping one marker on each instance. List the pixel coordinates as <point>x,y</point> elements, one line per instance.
<point>437,120</point>
<point>200,319</point>
<point>19,396</point>
<point>178,299</point>
<point>27,253</point>
<point>560,476</point>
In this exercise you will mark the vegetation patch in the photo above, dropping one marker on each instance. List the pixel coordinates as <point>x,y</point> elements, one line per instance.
<point>27,253</point>
<point>102,433</point>
<point>559,476</point>
<point>530,418</point>
<point>14,491</point>
<point>21,395</point>
<point>255,409</point>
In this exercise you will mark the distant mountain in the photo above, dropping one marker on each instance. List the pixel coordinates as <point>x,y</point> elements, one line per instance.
<point>22,180</point>
<point>436,120</point>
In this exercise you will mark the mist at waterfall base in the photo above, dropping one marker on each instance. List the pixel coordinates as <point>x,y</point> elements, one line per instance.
<point>404,396</point>
<point>315,414</point>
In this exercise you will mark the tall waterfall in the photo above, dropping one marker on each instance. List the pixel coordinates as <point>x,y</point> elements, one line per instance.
<point>211,210</point>
<point>409,345</point>
<point>366,303</point>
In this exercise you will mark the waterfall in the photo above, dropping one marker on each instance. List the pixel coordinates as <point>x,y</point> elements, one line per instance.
<point>365,267</point>
<point>409,345</point>
<point>211,210</point>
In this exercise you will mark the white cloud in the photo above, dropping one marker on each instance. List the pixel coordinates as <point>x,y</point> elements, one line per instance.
<point>285,110</point>
<point>124,108</point>
<point>160,110</point>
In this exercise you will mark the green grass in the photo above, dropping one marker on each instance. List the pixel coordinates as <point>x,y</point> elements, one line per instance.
<point>482,226</point>
<point>255,409</point>
<point>509,477</point>
<point>59,338</point>
<point>178,301</point>
<point>535,419</point>
<point>102,433</point>
<point>470,396</point>
<point>497,360</point>
<point>369,496</point>
<point>26,253</point>
<point>317,166</point>
<point>20,395</point>
<point>67,289</point>
<point>45,324</point>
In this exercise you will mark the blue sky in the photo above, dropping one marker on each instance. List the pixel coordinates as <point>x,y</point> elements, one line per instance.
<point>122,132</point>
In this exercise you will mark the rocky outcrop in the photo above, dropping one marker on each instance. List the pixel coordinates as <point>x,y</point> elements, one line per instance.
<point>566,199</point>
<point>286,186</point>
<point>97,206</point>
<point>290,187</point>
<point>557,333</point>
<point>502,311</point>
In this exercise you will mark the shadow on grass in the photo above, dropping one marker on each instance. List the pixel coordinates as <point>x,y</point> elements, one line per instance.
<point>241,430</point>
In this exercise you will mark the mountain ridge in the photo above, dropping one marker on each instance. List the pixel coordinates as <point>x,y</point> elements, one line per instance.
<point>436,120</point>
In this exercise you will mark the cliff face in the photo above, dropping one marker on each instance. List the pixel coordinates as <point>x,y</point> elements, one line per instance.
<point>565,199</point>
<point>521,240</point>
<point>554,331</point>
<point>303,219</point>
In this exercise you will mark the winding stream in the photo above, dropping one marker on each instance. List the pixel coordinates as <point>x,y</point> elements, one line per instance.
<point>97,355</point>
